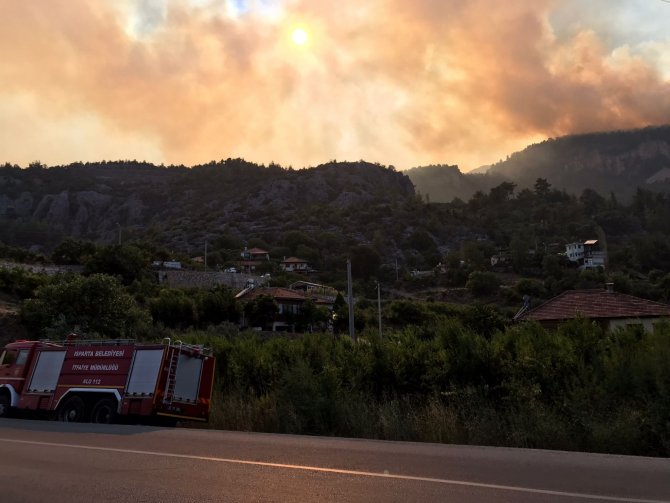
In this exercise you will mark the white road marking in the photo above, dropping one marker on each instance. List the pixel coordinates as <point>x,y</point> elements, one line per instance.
<point>338,471</point>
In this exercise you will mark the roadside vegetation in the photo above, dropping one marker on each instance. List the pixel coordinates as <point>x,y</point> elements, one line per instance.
<point>574,389</point>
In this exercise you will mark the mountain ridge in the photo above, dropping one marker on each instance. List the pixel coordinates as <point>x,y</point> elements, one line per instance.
<point>614,162</point>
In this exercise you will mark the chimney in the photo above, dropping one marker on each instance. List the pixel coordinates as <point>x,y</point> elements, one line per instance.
<point>610,287</point>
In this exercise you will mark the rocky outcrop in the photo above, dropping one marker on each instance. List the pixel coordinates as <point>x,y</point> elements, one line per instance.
<point>104,200</point>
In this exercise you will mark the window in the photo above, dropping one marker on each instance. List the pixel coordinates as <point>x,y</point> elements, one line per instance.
<point>22,357</point>
<point>8,357</point>
<point>14,357</point>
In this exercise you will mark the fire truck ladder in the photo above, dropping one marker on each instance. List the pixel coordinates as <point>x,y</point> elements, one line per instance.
<point>172,373</point>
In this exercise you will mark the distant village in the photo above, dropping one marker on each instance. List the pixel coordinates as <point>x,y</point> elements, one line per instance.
<point>608,308</point>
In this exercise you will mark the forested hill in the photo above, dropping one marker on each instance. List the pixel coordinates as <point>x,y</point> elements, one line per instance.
<point>615,162</point>
<point>443,183</point>
<point>39,205</point>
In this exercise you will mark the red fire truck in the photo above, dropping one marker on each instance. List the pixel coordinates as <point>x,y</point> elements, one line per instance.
<point>102,381</point>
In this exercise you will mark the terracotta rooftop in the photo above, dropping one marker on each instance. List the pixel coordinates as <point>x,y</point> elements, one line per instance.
<point>293,260</point>
<point>279,293</point>
<point>276,293</point>
<point>595,304</point>
<point>256,251</point>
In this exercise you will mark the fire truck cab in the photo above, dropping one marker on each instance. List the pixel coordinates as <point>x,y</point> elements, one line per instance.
<point>102,381</point>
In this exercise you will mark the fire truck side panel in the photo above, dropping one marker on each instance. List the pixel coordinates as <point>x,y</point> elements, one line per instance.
<point>139,406</point>
<point>46,372</point>
<point>207,381</point>
<point>144,373</point>
<point>191,397</point>
<point>187,379</point>
<point>95,368</point>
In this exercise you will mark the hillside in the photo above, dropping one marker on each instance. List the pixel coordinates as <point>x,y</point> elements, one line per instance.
<point>443,183</point>
<point>183,207</point>
<point>614,162</point>
<point>617,162</point>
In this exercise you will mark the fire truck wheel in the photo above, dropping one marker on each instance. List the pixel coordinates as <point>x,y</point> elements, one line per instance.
<point>104,411</point>
<point>72,411</point>
<point>4,405</point>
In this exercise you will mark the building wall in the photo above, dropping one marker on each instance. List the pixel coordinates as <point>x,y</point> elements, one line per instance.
<point>647,323</point>
<point>207,279</point>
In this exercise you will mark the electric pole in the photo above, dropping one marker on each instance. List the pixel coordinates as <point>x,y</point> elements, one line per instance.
<point>379,308</point>
<point>350,296</point>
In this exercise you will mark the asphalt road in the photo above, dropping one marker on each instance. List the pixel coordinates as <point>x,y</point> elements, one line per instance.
<point>42,461</point>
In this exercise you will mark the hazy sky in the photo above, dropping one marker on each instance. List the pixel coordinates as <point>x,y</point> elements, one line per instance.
<point>402,82</point>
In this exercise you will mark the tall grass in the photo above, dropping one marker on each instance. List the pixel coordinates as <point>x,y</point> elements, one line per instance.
<point>576,388</point>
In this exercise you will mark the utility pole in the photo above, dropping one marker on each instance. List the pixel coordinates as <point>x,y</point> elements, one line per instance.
<point>205,254</point>
<point>350,296</point>
<point>379,309</point>
<point>119,226</point>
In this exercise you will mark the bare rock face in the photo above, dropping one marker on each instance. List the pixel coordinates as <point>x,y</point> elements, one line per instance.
<point>90,207</point>
<point>54,209</point>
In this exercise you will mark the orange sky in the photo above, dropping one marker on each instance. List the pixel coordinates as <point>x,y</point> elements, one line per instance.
<point>399,82</point>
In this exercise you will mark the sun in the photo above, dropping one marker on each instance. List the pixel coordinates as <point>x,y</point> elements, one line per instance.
<point>299,36</point>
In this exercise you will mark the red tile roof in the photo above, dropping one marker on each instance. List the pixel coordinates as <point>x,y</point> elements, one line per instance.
<point>596,304</point>
<point>293,260</point>
<point>279,294</point>
<point>276,293</point>
<point>256,251</point>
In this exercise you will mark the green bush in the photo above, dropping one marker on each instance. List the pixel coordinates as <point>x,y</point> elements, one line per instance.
<point>575,388</point>
<point>482,283</point>
<point>96,305</point>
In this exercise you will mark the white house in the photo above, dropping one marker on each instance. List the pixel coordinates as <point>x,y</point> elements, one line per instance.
<point>295,264</point>
<point>587,254</point>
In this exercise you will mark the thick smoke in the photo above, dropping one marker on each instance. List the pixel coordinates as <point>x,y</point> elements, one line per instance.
<point>404,83</point>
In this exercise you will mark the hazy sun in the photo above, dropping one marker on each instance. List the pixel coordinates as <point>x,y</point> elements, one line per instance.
<point>299,36</point>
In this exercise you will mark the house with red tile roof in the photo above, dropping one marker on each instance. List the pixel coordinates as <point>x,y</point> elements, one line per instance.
<point>252,258</point>
<point>606,307</point>
<point>289,303</point>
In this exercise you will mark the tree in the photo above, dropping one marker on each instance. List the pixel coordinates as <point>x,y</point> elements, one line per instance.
<point>73,252</point>
<point>127,262</point>
<point>311,316</point>
<point>502,192</point>
<point>519,253</point>
<point>476,254</point>
<point>542,187</point>
<point>261,311</point>
<point>482,283</point>
<point>97,304</point>
<point>173,308</point>
<point>216,306</point>
<point>592,201</point>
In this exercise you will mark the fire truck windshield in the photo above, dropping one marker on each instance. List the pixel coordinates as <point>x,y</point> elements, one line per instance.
<point>14,357</point>
<point>8,357</point>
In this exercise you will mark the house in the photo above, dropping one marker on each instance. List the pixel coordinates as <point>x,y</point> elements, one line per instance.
<point>315,289</point>
<point>501,259</point>
<point>605,307</point>
<point>289,303</point>
<point>252,258</point>
<point>295,264</point>
<point>166,264</point>
<point>587,254</point>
